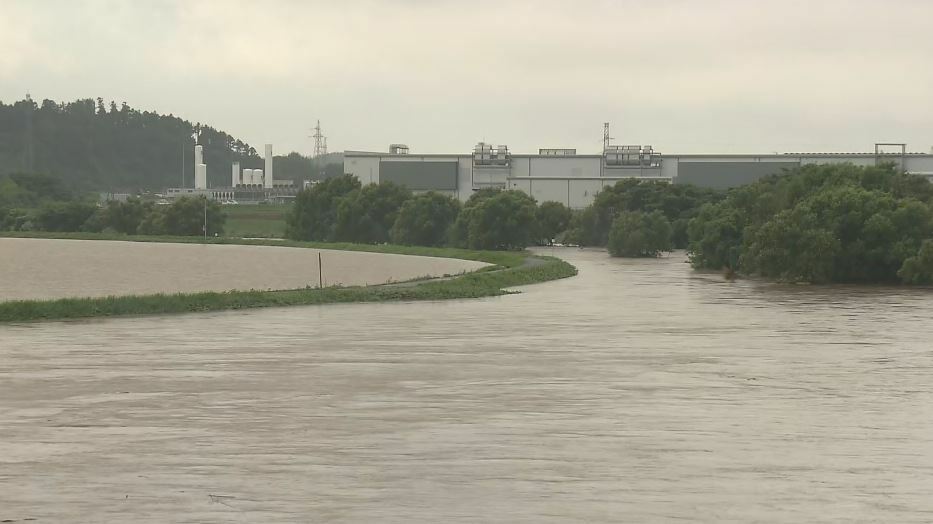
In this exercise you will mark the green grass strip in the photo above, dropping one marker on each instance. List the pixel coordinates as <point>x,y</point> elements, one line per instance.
<point>513,269</point>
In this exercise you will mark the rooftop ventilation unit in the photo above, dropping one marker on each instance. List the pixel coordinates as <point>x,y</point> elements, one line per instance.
<point>398,149</point>
<point>631,156</point>
<point>485,155</point>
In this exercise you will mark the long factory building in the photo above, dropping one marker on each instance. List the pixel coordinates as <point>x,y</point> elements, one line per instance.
<point>574,179</point>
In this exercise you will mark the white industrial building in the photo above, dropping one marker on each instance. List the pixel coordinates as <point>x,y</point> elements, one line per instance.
<point>246,185</point>
<point>574,179</point>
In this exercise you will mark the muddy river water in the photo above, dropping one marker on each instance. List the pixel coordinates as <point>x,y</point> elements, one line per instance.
<point>33,268</point>
<point>639,391</point>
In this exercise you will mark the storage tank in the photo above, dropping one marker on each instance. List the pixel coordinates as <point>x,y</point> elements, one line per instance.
<point>257,177</point>
<point>235,175</point>
<point>247,177</point>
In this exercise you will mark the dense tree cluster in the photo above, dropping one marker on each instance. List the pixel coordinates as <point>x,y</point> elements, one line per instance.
<point>829,223</point>
<point>636,234</point>
<point>341,209</point>
<point>678,204</point>
<point>97,146</point>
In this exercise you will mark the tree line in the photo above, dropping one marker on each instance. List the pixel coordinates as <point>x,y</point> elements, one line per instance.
<point>341,209</point>
<point>42,203</point>
<point>97,146</point>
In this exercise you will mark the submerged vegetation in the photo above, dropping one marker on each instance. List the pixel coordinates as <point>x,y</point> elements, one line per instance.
<point>820,224</point>
<point>509,269</point>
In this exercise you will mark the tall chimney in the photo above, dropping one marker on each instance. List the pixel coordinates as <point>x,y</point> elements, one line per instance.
<point>268,180</point>
<point>200,176</point>
<point>236,175</point>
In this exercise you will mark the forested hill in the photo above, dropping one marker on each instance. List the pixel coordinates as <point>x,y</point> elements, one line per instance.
<point>97,146</point>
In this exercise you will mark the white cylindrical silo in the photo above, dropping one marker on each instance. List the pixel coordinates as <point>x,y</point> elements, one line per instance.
<point>200,176</point>
<point>198,156</point>
<point>257,177</point>
<point>235,175</point>
<point>247,177</point>
<point>267,181</point>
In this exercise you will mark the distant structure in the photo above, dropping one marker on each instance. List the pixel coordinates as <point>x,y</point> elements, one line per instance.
<point>247,186</point>
<point>563,175</point>
<point>320,141</point>
<point>200,168</point>
<point>267,180</point>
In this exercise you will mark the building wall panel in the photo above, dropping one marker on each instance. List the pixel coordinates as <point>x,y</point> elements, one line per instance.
<point>420,175</point>
<point>723,175</point>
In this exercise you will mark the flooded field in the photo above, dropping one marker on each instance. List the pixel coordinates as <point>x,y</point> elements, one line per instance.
<point>51,268</point>
<point>639,391</point>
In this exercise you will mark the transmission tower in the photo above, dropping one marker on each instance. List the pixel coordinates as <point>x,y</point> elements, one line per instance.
<point>320,141</point>
<point>606,138</point>
<point>29,153</point>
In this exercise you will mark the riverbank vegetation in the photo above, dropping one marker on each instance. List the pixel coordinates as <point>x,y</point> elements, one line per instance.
<point>39,202</point>
<point>510,269</point>
<point>820,224</point>
<point>341,209</point>
<point>635,234</point>
<point>670,204</point>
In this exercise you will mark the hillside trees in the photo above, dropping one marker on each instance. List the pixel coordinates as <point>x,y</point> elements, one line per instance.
<point>95,146</point>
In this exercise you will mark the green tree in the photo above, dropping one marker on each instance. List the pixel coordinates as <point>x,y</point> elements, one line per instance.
<point>184,217</point>
<point>459,234</point>
<point>553,219</point>
<point>366,215</point>
<point>918,269</point>
<point>425,219</point>
<point>64,216</point>
<point>678,203</point>
<point>505,220</point>
<point>314,213</point>
<point>827,223</point>
<point>125,217</point>
<point>636,234</point>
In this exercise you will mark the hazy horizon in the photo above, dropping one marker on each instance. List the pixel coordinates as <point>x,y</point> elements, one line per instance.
<point>686,77</point>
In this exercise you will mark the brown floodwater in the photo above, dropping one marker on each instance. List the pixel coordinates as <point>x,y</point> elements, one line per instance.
<point>32,268</point>
<point>639,391</point>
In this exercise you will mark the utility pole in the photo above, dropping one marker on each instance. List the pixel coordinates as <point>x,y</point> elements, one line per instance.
<point>205,218</point>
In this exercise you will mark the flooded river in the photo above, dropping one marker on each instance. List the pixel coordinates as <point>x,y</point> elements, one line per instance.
<point>34,268</point>
<point>638,391</point>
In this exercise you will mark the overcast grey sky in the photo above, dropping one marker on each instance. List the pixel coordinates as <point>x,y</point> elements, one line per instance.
<point>684,76</point>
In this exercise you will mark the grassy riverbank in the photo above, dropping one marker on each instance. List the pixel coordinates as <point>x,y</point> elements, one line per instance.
<point>511,269</point>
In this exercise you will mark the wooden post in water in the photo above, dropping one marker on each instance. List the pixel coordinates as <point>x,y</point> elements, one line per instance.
<point>320,270</point>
